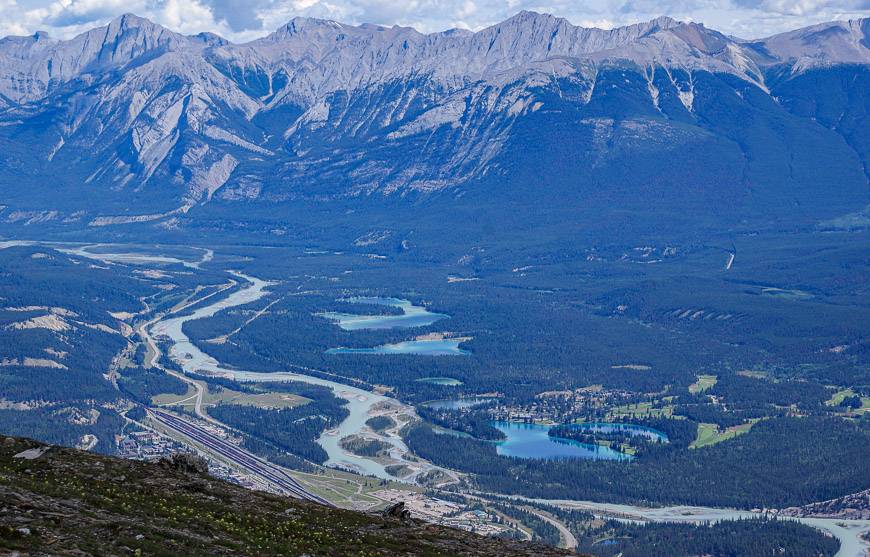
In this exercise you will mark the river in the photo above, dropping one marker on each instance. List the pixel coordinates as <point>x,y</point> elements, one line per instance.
<point>849,532</point>
<point>361,404</point>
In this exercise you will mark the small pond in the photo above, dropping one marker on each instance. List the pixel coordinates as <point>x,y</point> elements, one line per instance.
<point>443,381</point>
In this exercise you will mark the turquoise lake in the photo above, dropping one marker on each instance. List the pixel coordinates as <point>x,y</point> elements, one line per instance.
<point>411,316</point>
<point>445,347</point>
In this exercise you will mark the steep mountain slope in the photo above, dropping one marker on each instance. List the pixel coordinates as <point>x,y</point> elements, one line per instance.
<point>841,42</point>
<point>67,502</point>
<point>133,123</point>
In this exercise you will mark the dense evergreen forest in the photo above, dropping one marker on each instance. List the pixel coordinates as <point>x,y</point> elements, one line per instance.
<point>293,430</point>
<point>64,424</point>
<point>741,538</point>
<point>753,470</point>
<point>561,324</point>
<point>142,384</point>
<point>555,324</point>
<point>475,423</point>
<point>563,321</point>
<point>60,342</point>
<point>380,423</point>
<point>57,342</point>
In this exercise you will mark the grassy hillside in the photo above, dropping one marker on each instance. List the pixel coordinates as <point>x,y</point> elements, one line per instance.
<point>67,502</point>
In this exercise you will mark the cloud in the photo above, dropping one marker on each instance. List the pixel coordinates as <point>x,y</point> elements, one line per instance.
<point>78,12</point>
<point>242,20</point>
<point>803,7</point>
<point>240,15</point>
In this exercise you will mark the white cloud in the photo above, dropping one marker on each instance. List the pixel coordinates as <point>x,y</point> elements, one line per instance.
<point>66,18</point>
<point>241,20</point>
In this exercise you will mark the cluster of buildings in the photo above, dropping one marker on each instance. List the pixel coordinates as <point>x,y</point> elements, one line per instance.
<point>147,445</point>
<point>563,406</point>
<point>150,445</point>
<point>446,513</point>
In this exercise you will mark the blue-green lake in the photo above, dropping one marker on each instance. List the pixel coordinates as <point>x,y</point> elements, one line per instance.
<point>440,347</point>
<point>411,316</point>
<point>533,441</point>
<point>632,430</point>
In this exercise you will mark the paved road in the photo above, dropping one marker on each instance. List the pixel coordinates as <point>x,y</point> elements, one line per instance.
<point>268,472</point>
<point>152,357</point>
<point>567,539</point>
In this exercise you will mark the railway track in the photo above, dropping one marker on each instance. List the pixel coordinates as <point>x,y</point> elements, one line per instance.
<point>268,472</point>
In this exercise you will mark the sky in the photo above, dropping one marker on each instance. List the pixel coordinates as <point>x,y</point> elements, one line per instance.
<point>243,20</point>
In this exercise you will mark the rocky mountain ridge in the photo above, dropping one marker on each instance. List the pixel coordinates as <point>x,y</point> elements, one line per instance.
<point>318,110</point>
<point>332,55</point>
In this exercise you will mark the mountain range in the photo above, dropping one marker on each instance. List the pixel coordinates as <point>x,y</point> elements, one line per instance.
<point>132,123</point>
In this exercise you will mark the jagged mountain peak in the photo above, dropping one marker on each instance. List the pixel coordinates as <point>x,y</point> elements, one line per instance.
<point>641,28</point>
<point>531,22</point>
<point>23,46</point>
<point>664,22</point>
<point>210,39</point>
<point>127,37</point>
<point>300,29</point>
<point>129,20</point>
<point>531,17</point>
<point>50,63</point>
<point>278,101</point>
<point>302,24</point>
<point>701,38</point>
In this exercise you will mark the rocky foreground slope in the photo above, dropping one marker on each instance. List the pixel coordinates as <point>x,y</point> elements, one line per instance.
<point>66,502</point>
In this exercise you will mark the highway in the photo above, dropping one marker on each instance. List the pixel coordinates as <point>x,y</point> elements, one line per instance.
<point>269,473</point>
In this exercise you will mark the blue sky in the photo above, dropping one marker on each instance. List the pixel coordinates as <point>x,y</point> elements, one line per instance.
<point>241,20</point>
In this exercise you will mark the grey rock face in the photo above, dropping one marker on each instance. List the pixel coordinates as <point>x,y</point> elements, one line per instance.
<point>132,106</point>
<point>188,463</point>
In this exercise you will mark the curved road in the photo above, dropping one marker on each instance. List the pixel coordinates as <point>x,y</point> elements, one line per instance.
<point>852,534</point>
<point>566,538</point>
<point>268,473</point>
